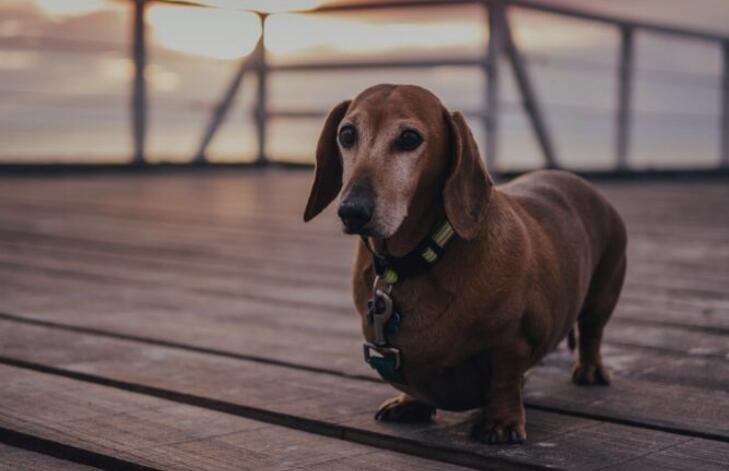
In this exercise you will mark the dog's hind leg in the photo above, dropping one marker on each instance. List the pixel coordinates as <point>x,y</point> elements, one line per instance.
<point>605,286</point>
<point>404,408</point>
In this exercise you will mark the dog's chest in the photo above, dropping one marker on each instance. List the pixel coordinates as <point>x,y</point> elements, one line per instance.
<point>431,331</point>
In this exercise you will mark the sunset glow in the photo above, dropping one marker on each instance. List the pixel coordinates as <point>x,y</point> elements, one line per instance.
<point>291,33</point>
<point>70,7</point>
<point>228,34</point>
<point>218,33</point>
<point>267,6</point>
<point>119,70</point>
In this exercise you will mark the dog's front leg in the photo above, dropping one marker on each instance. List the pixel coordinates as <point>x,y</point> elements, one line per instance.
<point>502,418</point>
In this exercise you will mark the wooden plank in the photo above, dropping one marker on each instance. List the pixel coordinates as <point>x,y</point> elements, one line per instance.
<point>316,347</point>
<point>700,264</point>
<point>705,294</point>
<point>315,323</point>
<point>297,229</point>
<point>269,319</point>
<point>286,229</point>
<point>645,243</point>
<point>681,457</point>
<point>342,268</point>
<point>694,372</point>
<point>307,341</point>
<point>12,458</point>
<point>161,434</point>
<point>692,302</point>
<point>683,311</point>
<point>295,225</point>
<point>152,298</point>
<point>228,185</point>
<point>687,254</point>
<point>555,439</point>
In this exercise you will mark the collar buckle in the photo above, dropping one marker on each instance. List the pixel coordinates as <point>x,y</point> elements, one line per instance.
<point>382,356</point>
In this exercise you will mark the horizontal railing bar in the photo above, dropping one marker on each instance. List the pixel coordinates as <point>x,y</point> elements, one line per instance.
<point>317,114</point>
<point>619,21</point>
<point>387,5</point>
<point>50,42</point>
<point>529,4</point>
<point>558,109</point>
<point>378,64</point>
<point>185,3</point>
<point>59,44</point>
<point>526,4</point>
<point>64,45</point>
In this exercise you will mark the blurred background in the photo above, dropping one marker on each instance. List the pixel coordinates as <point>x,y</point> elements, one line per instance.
<point>67,70</point>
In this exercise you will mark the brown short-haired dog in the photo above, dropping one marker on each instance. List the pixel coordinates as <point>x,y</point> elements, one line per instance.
<point>484,280</point>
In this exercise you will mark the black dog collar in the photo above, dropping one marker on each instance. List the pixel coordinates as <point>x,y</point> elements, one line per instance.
<point>420,260</point>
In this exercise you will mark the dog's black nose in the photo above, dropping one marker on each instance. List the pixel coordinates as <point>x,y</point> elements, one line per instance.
<point>356,211</point>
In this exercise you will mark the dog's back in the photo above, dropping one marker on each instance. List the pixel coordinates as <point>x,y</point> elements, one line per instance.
<point>569,206</point>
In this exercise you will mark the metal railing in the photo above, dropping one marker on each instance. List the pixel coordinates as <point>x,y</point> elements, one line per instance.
<point>500,45</point>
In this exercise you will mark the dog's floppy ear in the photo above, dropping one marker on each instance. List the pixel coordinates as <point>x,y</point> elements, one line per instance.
<point>328,173</point>
<point>468,187</point>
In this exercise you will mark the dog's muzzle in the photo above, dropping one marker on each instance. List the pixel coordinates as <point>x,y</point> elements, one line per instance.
<point>356,209</point>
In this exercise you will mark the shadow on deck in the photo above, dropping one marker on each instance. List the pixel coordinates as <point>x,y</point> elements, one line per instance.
<point>192,321</point>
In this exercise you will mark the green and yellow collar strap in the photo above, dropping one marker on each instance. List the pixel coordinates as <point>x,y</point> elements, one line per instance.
<point>393,269</point>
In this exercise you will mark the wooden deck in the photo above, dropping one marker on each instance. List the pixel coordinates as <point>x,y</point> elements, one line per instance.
<point>192,321</point>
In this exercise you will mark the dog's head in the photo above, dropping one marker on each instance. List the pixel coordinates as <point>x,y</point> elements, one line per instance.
<point>391,148</point>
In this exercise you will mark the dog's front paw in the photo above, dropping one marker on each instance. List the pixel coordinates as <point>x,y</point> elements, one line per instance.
<point>404,408</point>
<point>590,374</point>
<point>497,432</point>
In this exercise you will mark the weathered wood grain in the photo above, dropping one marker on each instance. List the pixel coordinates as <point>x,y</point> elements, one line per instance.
<point>264,335</point>
<point>105,293</point>
<point>219,266</point>
<point>162,434</point>
<point>110,272</point>
<point>322,340</point>
<point>12,459</point>
<point>302,397</point>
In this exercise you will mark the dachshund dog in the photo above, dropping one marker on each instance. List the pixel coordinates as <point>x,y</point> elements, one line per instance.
<point>512,271</point>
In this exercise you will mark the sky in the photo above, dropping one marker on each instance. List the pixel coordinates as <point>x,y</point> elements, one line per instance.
<point>65,70</point>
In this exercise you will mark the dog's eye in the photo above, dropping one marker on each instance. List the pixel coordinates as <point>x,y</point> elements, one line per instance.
<point>347,136</point>
<point>408,140</point>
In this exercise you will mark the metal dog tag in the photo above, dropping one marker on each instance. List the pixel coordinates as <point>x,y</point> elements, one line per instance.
<point>380,310</point>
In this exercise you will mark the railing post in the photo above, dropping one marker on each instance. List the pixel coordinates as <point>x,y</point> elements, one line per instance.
<point>528,94</point>
<point>221,110</point>
<point>494,10</point>
<point>623,117</point>
<point>139,88</point>
<point>724,130</point>
<point>261,110</point>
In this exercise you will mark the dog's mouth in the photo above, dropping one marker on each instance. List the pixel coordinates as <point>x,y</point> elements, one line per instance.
<point>365,231</point>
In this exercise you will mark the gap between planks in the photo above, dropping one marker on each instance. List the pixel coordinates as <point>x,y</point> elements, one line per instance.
<point>319,427</point>
<point>530,404</point>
